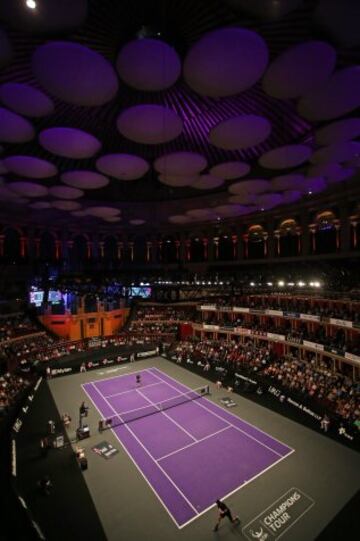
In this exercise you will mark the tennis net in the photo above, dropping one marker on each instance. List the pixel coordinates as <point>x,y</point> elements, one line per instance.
<point>132,415</point>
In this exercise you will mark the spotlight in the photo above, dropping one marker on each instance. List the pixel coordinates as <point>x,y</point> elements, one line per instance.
<point>31,4</point>
<point>291,284</point>
<point>252,284</point>
<point>269,284</point>
<point>301,284</point>
<point>281,283</point>
<point>316,284</point>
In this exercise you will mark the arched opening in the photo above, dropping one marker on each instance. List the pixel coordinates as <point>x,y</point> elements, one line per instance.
<point>256,242</point>
<point>12,244</point>
<point>169,249</point>
<point>288,238</point>
<point>196,250</point>
<point>226,252</point>
<point>326,235</point>
<point>47,246</point>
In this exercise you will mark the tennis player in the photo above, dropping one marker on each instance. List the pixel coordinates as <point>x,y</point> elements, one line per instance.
<point>224,511</point>
<point>138,379</point>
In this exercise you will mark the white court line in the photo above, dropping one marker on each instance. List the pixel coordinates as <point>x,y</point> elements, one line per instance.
<point>195,442</point>
<point>131,390</point>
<point>148,453</point>
<point>116,377</point>
<point>137,467</point>
<point>227,412</point>
<point>217,406</point>
<point>238,488</point>
<point>167,416</point>
<point>197,402</point>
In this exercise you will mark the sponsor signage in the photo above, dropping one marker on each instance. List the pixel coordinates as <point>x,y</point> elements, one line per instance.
<point>273,336</point>
<point>274,313</point>
<point>143,354</point>
<point>242,330</point>
<point>352,357</point>
<point>293,315</point>
<point>211,327</point>
<point>341,322</point>
<point>210,307</point>
<point>244,378</point>
<point>241,309</point>
<point>257,312</point>
<point>105,450</point>
<point>313,345</point>
<point>61,371</point>
<point>281,515</point>
<point>310,317</point>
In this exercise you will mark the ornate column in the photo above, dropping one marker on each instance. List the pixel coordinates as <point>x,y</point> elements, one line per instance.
<point>89,249</point>
<point>23,246</point>
<point>188,249</point>
<point>353,223</point>
<point>265,240</point>
<point>120,250</point>
<point>337,235</point>
<point>2,239</point>
<point>148,251</point>
<point>298,234</point>
<point>205,242</point>
<point>216,247</point>
<point>131,250</point>
<point>277,243</point>
<point>160,248</point>
<point>246,245</point>
<point>305,234</point>
<point>312,230</point>
<point>101,245</point>
<point>234,240</point>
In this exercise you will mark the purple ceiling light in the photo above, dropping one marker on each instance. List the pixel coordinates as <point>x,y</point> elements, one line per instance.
<point>290,196</point>
<point>64,192</point>
<point>84,180</point>
<point>26,100</point>
<point>228,211</point>
<point>5,49</point>
<point>3,169</point>
<point>122,166</point>
<point>342,130</point>
<point>242,199</point>
<point>269,200</point>
<point>201,214</point>
<point>336,97</point>
<point>332,172</point>
<point>6,194</point>
<point>240,132</point>
<point>207,182</point>
<point>65,205</point>
<point>101,212</point>
<point>149,124</point>
<point>253,186</point>
<point>74,73</point>
<point>28,166</point>
<point>299,69</point>
<point>29,189</point>
<point>14,128</point>
<point>69,142</point>
<point>40,205</point>
<point>313,185</point>
<point>337,152</point>
<point>230,170</point>
<point>225,62</point>
<point>180,163</point>
<point>177,181</point>
<point>112,219</point>
<point>286,156</point>
<point>287,182</point>
<point>137,221</point>
<point>179,219</point>
<point>148,64</point>
<point>80,213</point>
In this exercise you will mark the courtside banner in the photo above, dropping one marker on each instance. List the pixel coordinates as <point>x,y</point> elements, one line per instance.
<point>313,345</point>
<point>309,317</point>
<point>341,322</point>
<point>143,354</point>
<point>274,336</point>
<point>211,307</point>
<point>281,515</point>
<point>352,357</point>
<point>241,309</point>
<point>210,327</point>
<point>279,313</point>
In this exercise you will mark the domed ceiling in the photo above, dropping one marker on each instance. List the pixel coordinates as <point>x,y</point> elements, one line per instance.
<point>173,111</point>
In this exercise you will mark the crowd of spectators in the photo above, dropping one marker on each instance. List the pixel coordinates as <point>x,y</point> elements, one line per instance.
<point>336,392</point>
<point>11,387</point>
<point>15,325</point>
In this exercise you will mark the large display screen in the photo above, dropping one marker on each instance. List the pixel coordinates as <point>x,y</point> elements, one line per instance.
<point>54,296</point>
<point>143,292</point>
<point>37,297</point>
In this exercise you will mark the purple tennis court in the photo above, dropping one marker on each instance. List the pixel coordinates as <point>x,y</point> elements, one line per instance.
<point>191,454</point>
